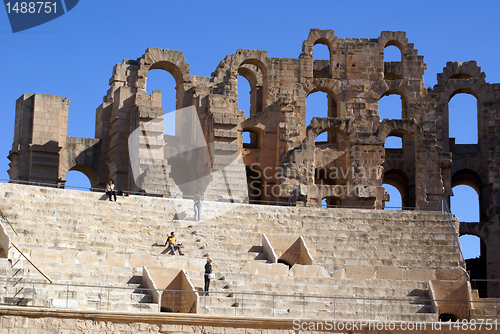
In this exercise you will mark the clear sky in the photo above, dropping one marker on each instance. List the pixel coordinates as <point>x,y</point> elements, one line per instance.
<point>73,56</point>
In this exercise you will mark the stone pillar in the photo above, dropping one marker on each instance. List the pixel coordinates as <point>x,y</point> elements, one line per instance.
<point>40,133</point>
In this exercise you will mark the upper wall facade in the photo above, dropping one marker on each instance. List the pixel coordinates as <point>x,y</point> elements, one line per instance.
<point>279,156</point>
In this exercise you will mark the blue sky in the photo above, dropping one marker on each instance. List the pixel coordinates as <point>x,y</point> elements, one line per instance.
<point>73,56</point>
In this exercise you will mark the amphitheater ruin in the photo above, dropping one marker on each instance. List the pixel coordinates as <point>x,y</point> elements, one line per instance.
<point>296,225</point>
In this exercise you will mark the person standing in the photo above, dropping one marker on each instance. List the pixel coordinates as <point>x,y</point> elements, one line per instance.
<point>197,205</point>
<point>110,189</point>
<point>208,275</point>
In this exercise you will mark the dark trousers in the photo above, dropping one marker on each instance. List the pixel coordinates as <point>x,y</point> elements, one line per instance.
<point>110,193</point>
<point>207,284</point>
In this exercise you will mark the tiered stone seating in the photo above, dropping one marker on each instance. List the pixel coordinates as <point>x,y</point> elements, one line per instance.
<point>81,238</point>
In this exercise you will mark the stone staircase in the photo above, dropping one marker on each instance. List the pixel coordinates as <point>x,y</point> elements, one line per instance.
<point>80,238</point>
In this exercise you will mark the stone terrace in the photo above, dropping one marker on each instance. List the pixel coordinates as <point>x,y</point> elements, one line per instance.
<point>369,256</point>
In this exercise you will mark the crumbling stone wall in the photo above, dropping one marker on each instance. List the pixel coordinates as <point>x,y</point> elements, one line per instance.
<point>284,161</point>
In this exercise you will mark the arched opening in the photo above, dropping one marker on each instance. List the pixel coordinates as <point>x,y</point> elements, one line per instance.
<point>399,169</point>
<point>161,80</point>
<point>390,106</point>
<point>321,104</point>
<point>394,143</point>
<point>392,61</point>
<point>317,106</point>
<point>474,250</point>
<point>331,202</point>
<point>464,204</point>
<point>254,183</point>
<point>321,62</point>
<point>244,95</point>
<point>392,53</point>
<point>463,118</point>
<point>395,199</point>
<point>251,139</point>
<point>77,180</point>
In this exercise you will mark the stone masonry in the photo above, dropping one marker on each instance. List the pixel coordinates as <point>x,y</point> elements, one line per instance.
<point>283,160</point>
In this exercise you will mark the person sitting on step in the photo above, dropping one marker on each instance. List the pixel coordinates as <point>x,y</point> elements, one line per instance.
<point>170,243</point>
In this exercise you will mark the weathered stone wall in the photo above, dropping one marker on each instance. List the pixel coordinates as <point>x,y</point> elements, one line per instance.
<point>27,320</point>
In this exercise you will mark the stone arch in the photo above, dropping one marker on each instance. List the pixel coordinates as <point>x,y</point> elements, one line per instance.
<point>397,127</point>
<point>467,177</point>
<point>318,36</point>
<point>460,87</point>
<point>171,61</point>
<point>321,124</point>
<point>396,38</point>
<point>333,109</point>
<point>255,71</point>
<point>411,63</point>
<point>325,86</point>
<point>89,172</point>
<point>461,70</point>
<point>400,180</point>
<point>255,64</point>
<point>83,155</point>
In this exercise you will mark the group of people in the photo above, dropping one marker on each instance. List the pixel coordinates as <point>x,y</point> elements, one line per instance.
<point>173,246</point>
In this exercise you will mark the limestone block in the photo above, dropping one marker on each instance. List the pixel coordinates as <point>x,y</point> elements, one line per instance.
<point>308,271</point>
<point>419,275</point>
<point>47,255</point>
<point>258,268</point>
<point>116,259</point>
<point>391,273</point>
<point>451,274</point>
<point>185,263</point>
<point>142,260</point>
<point>86,258</point>
<point>339,273</point>
<point>359,272</point>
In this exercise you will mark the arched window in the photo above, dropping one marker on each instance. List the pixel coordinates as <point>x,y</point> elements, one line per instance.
<point>317,106</point>
<point>392,53</point>
<point>244,92</point>
<point>395,201</point>
<point>250,139</point>
<point>392,62</point>
<point>321,62</point>
<point>77,180</point>
<point>471,246</point>
<point>390,107</point>
<point>394,143</point>
<point>163,81</point>
<point>464,204</point>
<point>463,116</point>
<point>321,104</point>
